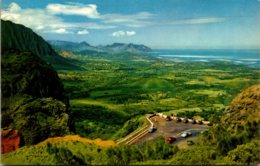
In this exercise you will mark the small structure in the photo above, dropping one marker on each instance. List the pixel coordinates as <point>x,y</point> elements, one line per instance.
<point>168,118</point>
<point>206,122</point>
<point>185,120</point>
<point>193,121</point>
<point>199,122</point>
<point>178,119</point>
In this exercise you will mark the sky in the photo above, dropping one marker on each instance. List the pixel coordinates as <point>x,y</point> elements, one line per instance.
<point>155,23</point>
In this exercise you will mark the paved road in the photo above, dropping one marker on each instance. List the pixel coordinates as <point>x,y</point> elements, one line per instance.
<point>170,128</point>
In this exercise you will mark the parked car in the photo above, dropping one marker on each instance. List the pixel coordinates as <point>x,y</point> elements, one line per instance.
<point>185,120</point>
<point>170,140</point>
<point>152,129</point>
<point>193,121</point>
<point>178,119</point>
<point>199,122</point>
<point>168,118</point>
<point>186,134</point>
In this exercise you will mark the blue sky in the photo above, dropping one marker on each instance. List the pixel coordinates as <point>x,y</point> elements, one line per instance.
<point>156,23</point>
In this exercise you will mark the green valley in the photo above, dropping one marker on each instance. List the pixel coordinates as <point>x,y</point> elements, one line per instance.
<point>131,88</point>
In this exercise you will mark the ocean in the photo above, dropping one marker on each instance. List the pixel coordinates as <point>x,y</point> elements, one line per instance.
<point>237,56</point>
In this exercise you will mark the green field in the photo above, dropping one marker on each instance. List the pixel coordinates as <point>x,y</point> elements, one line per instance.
<point>126,86</point>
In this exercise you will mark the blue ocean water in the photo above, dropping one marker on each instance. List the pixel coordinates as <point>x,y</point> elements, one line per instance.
<point>237,56</point>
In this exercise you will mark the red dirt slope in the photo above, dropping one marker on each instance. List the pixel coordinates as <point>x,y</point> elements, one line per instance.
<point>10,140</point>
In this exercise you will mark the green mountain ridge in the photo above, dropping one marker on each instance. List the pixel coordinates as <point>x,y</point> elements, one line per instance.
<point>19,37</point>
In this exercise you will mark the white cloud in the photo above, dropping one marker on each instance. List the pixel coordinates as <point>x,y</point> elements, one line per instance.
<point>42,21</point>
<point>123,33</point>
<point>62,31</point>
<point>36,19</point>
<point>130,33</point>
<point>83,32</point>
<point>89,10</point>
<point>199,20</point>
<point>118,33</point>
<point>135,20</point>
<point>132,20</point>
<point>47,20</point>
<point>14,7</point>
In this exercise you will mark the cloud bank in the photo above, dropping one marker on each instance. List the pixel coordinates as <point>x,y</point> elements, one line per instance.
<point>83,32</point>
<point>89,11</point>
<point>48,20</point>
<point>199,21</point>
<point>123,33</point>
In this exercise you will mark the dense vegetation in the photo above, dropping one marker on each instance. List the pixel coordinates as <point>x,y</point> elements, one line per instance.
<point>75,152</point>
<point>128,85</point>
<point>32,97</point>
<point>24,73</point>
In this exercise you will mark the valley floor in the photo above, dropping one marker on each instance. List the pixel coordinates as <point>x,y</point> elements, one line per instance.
<point>124,89</point>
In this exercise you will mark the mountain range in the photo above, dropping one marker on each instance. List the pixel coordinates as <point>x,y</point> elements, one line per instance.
<point>85,48</point>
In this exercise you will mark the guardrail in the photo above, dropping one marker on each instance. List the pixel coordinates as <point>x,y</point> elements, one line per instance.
<point>137,134</point>
<point>131,135</point>
<point>143,133</point>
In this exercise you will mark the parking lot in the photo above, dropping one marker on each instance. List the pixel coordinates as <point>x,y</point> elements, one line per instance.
<point>171,128</point>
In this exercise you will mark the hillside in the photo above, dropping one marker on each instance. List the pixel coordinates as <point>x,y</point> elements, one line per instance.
<point>77,150</point>
<point>244,111</point>
<point>19,37</point>
<point>244,107</point>
<point>25,73</point>
<point>33,98</point>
